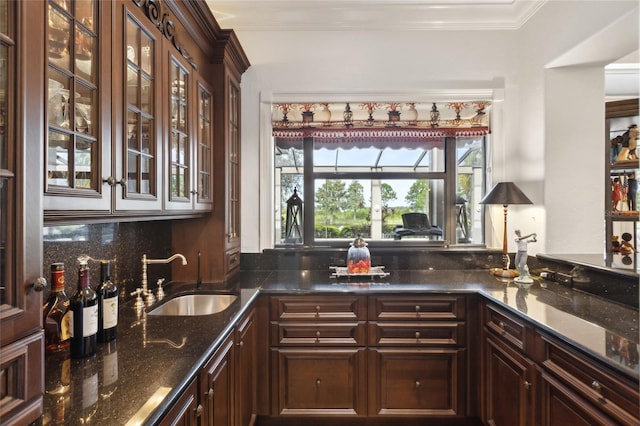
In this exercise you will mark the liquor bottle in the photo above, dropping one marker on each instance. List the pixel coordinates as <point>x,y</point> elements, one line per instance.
<point>55,313</point>
<point>84,318</point>
<point>107,304</point>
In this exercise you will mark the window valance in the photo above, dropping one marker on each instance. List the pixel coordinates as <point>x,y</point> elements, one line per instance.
<point>427,138</point>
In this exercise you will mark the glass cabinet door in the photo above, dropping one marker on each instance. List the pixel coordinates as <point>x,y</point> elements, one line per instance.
<point>179,137</point>
<point>204,149</point>
<point>7,168</point>
<point>233,225</point>
<point>73,147</point>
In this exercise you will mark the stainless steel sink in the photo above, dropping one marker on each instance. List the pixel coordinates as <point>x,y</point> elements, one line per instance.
<point>194,304</point>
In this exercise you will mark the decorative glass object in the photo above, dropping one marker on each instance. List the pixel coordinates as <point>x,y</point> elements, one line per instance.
<point>358,257</point>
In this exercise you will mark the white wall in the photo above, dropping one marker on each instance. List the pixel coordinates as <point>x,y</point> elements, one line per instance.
<point>425,65</point>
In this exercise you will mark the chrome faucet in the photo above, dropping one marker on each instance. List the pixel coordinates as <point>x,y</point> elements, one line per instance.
<point>145,261</point>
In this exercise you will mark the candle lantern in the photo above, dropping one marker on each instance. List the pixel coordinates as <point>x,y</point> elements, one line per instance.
<point>293,227</point>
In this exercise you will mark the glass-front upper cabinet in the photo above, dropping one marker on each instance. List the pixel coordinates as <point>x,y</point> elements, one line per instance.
<point>138,150</point>
<point>179,135</point>
<point>233,219</point>
<point>204,148</point>
<point>7,167</point>
<point>72,139</point>
<point>75,150</point>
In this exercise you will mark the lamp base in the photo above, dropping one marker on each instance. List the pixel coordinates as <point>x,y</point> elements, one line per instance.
<point>504,273</point>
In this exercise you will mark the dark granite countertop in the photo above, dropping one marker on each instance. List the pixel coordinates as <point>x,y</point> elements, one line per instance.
<point>133,380</point>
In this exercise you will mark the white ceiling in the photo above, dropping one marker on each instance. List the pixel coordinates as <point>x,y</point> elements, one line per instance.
<point>332,15</point>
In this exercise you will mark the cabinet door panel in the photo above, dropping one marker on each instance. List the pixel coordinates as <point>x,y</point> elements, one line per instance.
<point>216,386</point>
<point>185,411</point>
<point>560,406</point>
<point>328,381</point>
<point>417,382</point>
<point>137,119</point>
<point>246,355</point>
<point>509,386</point>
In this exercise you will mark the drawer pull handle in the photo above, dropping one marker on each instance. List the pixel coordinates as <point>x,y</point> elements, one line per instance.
<point>417,335</point>
<point>527,385</point>
<point>318,382</point>
<point>209,393</point>
<point>417,384</point>
<point>596,386</point>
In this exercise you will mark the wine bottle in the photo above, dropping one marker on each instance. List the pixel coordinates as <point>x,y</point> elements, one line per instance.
<point>84,318</point>
<point>107,304</point>
<point>55,313</point>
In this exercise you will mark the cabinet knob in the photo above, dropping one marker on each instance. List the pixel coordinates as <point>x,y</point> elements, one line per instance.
<point>39,284</point>
<point>417,308</point>
<point>318,381</point>
<point>527,385</point>
<point>417,335</point>
<point>596,386</point>
<point>111,181</point>
<point>198,410</point>
<point>241,343</point>
<point>317,310</point>
<point>317,336</point>
<point>417,384</point>
<point>209,393</point>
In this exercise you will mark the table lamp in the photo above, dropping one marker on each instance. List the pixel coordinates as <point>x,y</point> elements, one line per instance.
<point>505,193</point>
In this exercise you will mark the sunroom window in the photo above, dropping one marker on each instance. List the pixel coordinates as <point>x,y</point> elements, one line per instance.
<point>397,185</point>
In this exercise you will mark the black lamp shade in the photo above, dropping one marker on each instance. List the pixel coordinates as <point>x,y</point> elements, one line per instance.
<point>505,193</point>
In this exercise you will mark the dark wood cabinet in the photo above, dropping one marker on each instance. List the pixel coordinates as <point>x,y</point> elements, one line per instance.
<point>423,382</point>
<point>408,359</point>
<point>417,355</point>
<point>318,355</point>
<point>509,385</point>
<point>246,337</point>
<point>186,411</point>
<point>217,386</point>
<point>21,154</point>
<point>576,386</point>
<point>532,378</point>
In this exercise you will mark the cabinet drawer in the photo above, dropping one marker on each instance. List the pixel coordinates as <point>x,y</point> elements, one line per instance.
<point>232,259</point>
<point>417,334</point>
<point>417,382</point>
<point>323,308</point>
<point>507,326</point>
<point>290,333</point>
<point>614,395</point>
<point>319,382</point>
<point>437,307</point>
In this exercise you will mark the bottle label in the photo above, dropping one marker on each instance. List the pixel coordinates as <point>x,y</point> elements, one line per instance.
<point>66,326</point>
<point>110,312</point>
<point>90,321</point>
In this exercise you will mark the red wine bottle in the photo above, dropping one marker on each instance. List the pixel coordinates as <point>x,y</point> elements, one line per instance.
<point>55,313</point>
<point>84,319</point>
<point>107,304</point>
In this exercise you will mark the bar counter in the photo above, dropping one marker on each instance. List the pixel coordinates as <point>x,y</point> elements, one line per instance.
<point>134,379</point>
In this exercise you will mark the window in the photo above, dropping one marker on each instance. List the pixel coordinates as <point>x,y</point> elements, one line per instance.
<point>407,186</point>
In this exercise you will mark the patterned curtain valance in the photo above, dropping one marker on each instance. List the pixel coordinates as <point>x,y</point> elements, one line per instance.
<point>372,137</point>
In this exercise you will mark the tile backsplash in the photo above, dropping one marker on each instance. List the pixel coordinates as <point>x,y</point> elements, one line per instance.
<point>123,243</point>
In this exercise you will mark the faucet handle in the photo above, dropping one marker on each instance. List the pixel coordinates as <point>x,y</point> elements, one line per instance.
<point>139,302</point>
<point>160,292</point>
